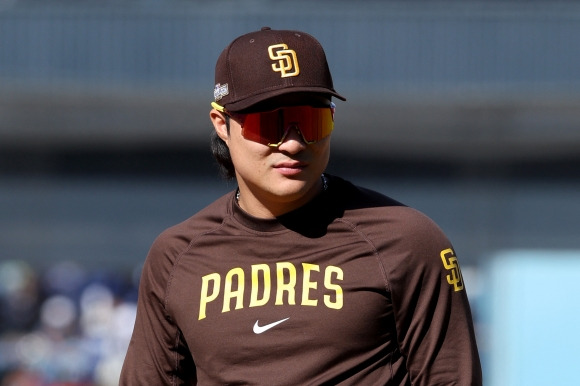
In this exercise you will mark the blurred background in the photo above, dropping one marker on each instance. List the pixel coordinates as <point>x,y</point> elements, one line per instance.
<point>466,110</point>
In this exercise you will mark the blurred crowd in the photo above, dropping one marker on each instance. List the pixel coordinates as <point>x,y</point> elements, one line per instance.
<point>64,325</point>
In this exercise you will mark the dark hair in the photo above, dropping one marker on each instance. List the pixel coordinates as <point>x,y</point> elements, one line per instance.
<point>221,153</point>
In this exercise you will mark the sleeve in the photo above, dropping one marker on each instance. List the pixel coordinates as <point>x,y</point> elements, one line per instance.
<point>157,353</point>
<point>432,314</point>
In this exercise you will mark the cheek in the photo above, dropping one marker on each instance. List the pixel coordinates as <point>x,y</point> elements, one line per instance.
<point>322,148</point>
<point>322,154</point>
<point>244,152</point>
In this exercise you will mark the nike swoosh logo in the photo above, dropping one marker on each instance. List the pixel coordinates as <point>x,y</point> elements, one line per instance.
<point>260,329</point>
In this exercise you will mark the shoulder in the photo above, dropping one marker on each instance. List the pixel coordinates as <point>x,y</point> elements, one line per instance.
<point>372,210</point>
<point>399,233</point>
<point>175,240</point>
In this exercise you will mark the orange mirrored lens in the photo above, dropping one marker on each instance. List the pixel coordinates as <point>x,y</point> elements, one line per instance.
<point>271,127</point>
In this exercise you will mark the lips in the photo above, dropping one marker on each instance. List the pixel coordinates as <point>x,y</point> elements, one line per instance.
<point>290,167</point>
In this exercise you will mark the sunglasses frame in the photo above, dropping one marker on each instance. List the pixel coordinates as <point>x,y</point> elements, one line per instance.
<point>240,117</point>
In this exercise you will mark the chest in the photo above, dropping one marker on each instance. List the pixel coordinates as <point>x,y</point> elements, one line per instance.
<point>243,301</point>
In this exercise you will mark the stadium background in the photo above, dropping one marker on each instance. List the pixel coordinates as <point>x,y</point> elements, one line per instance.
<point>466,110</point>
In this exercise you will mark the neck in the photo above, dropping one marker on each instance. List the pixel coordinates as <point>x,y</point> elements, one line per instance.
<point>264,208</point>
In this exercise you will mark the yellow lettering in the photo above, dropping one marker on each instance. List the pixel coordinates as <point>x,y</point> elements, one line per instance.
<point>330,270</point>
<point>285,286</point>
<point>265,269</point>
<point>307,285</point>
<point>286,280</point>
<point>287,64</point>
<point>455,278</point>
<point>205,297</point>
<point>230,293</point>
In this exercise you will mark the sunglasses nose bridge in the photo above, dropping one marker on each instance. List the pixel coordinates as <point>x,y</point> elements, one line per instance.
<point>293,127</point>
<point>310,123</point>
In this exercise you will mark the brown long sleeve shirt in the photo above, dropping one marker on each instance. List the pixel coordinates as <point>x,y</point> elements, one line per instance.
<point>352,289</point>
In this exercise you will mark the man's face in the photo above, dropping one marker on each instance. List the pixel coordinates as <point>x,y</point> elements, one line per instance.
<point>276,180</point>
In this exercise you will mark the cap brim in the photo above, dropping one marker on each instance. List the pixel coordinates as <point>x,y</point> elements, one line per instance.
<point>246,103</point>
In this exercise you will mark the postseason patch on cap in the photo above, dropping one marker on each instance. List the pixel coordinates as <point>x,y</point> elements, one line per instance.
<point>220,91</point>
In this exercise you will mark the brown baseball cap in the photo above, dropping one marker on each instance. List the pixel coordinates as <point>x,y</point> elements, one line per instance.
<point>269,63</point>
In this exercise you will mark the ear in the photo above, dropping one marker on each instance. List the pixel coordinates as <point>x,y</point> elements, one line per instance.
<point>219,124</point>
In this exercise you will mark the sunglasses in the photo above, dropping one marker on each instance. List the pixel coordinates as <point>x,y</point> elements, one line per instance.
<point>271,127</point>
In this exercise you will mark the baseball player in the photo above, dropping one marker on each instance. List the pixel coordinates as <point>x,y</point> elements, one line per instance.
<point>297,277</point>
